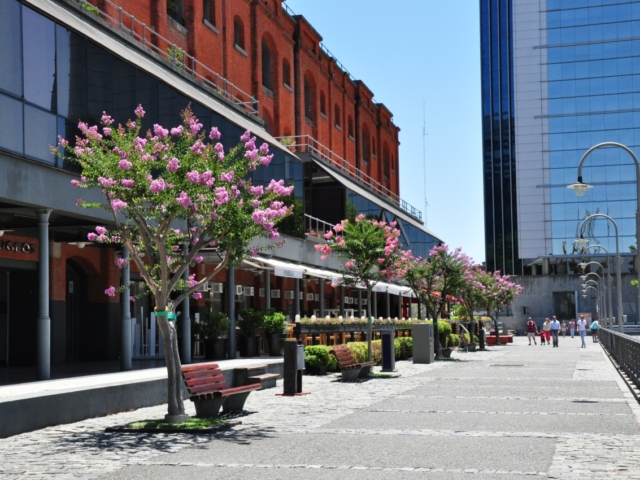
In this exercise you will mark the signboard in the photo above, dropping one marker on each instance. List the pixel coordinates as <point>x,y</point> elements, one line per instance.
<point>18,247</point>
<point>288,272</point>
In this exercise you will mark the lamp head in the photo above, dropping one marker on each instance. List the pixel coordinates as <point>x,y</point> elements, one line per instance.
<point>579,188</point>
<point>583,265</point>
<point>582,242</point>
<point>583,277</point>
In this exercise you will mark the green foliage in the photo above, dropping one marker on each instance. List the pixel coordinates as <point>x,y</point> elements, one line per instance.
<point>213,326</point>
<point>453,340</point>
<point>275,322</point>
<point>250,322</point>
<point>444,328</point>
<point>193,423</point>
<point>359,350</point>
<point>403,347</point>
<point>320,356</point>
<point>88,7</point>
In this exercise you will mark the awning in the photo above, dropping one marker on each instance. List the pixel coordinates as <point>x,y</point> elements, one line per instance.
<point>281,269</point>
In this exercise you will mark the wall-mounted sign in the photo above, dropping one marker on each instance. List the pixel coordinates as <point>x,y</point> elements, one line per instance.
<point>18,247</point>
<point>288,272</point>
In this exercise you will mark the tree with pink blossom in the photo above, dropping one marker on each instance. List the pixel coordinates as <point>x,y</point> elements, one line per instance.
<point>498,293</point>
<point>435,280</point>
<point>472,293</point>
<point>171,194</point>
<point>370,249</point>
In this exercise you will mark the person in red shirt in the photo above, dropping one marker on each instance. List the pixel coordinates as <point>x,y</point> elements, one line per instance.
<point>532,330</point>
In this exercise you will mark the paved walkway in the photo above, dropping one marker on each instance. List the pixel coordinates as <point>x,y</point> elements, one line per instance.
<point>513,412</point>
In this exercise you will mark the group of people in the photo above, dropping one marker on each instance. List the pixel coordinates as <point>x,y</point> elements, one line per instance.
<point>554,328</point>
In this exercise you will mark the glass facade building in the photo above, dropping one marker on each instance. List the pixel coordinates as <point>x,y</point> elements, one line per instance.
<point>571,70</point>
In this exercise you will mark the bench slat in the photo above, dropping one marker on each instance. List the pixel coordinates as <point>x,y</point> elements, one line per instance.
<point>207,387</point>
<point>234,390</point>
<point>199,366</point>
<point>201,374</point>
<point>206,380</point>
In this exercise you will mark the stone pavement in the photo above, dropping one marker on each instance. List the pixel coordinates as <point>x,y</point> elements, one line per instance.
<point>512,412</point>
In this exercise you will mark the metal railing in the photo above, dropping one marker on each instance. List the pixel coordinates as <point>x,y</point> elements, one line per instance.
<point>117,17</point>
<point>624,350</point>
<point>315,227</point>
<point>308,144</point>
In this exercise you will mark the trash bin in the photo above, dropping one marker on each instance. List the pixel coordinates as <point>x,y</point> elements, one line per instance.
<point>422,334</point>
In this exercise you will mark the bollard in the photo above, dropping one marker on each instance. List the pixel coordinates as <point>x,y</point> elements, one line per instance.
<point>290,367</point>
<point>388,351</point>
<point>300,366</point>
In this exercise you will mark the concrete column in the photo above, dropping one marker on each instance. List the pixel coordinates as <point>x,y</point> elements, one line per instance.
<point>419,310</point>
<point>125,315</point>
<point>374,304</point>
<point>545,266</point>
<point>399,306</point>
<point>342,300</point>
<point>359,302</point>
<point>43,327</point>
<point>267,290</point>
<point>296,297</point>
<point>185,327</point>
<point>387,298</point>
<point>231,295</point>
<point>321,296</point>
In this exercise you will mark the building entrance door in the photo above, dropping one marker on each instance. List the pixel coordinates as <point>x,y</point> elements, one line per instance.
<point>20,317</point>
<point>74,312</point>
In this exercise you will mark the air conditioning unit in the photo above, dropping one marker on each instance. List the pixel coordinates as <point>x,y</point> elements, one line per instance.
<point>239,290</point>
<point>317,297</point>
<point>310,297</point>
<point>348,300</point>
<point>261,292</point>
<point>364,301</point>
<point>289,294</point>
<point>205,287</point>
<point>275,293</point>
<point>248,291</point>
<point>216,287</point>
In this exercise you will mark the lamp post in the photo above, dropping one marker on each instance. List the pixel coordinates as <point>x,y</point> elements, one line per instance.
<point>598,291</point>
<point>610,319</point>
<point>580,188</point>
<point>618,263</point>
<point>584,292</point>
<point>602,286</point>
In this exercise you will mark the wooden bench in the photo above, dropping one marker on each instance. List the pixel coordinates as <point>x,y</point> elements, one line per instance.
<point>255,374</point>
<point>209,391</point>
<point>348,367</point>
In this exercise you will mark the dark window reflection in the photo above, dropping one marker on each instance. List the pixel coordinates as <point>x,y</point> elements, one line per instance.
<point>10,124</point>
<point>10,53</point>
<point>45,124</point>
<point>39,58</point>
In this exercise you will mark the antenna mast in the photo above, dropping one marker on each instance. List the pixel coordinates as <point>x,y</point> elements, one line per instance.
<point>424,158</point>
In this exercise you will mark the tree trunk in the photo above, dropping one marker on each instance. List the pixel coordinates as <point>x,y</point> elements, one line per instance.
<point>497,333</point>
<point>169,332</point>
<point>436,336</point>
<point>472,330</point>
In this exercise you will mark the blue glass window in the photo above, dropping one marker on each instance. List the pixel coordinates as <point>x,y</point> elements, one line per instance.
<point>39,59</point>
<point>10,124</point>
<point>11,51</point>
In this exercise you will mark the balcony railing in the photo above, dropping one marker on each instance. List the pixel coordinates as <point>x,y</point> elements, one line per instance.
<point>308,144</point>
<point>315,227</point>
<point>115,16</point>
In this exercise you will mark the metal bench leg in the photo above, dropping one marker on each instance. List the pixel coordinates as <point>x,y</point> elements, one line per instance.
<point>235,403</point>
<point>350,375</point>
<point>208,408</point>
<point>364,373</point>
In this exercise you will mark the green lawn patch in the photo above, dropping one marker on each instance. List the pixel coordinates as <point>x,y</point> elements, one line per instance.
<point>193,425</point>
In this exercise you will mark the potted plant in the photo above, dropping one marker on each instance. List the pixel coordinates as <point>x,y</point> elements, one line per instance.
<point>213,329</point>
<point>275,328</point>
<point>250,322</point>
<point>318,358</point>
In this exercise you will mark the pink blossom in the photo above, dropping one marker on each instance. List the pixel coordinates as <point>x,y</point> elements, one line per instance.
<point>328,235</point>
<point>264,148</point>
<point>254,251</point>
<point>197,295</point>
<point>193,177</point>
<point>266,160</point>
<point>118,204</point>
<point>177,131</point>
<point>194,126</point>
<point>106,119</point>
<point>219,149</point>
<point>159,131</point>
<point>215,134</point>
<point>184,200</point>
<point>132,298</point>
<point>198,259</point>
<point>122,262</point>
<point>106,131</point>
<point>111,291</point>
<point>62,142</point>
<point>349,264</point>
<point>158,185</point>
<point>139,111</point>
<point>91,236</point>
<point>173,165</point>
<point>278,188</point>
<point>257,191</point>
<point>222,196</point>
<point>273,234</point>
<point>127,183</point>
<point>107,182</point>
<point>245,136</point>
<point>198,148</point>
<point>101,230</point>
<point>227,177</point>
<point>251,154</point>
<point>75,183</point>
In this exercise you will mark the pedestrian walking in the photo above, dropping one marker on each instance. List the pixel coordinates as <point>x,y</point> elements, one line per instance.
<point>572,327</point>
<point>546,329</point>
<point>563,328</point>
<point>554,326</point>
<point>594,330</point>
<point>582,330</point>
<point>532,330</point>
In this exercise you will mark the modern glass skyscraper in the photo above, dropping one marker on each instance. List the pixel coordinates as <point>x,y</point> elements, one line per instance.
<point>558,77</point>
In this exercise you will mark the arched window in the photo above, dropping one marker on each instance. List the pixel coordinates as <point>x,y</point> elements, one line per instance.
<point>175,9</point>
<point>309,99</point>
<point>323,109</point>
<point>350,127</point>
<point>366,147</point>
<point>286,73</point>
<point>266,65</point>
<point>238,32</point>
<point>210,11</point>
<point>336,116</point>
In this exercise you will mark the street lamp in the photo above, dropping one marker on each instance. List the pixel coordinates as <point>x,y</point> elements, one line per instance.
<point>600,279</point>
<point>580,188</point>
<point>600,293</point>
<point>608,277</point>
<point>584,293</point>
<point>618,263</point>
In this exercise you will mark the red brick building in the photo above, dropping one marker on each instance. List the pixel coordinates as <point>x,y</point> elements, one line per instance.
<point>278,58</point>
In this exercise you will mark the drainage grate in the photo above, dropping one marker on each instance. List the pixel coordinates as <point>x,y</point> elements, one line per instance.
<point>506,365</point>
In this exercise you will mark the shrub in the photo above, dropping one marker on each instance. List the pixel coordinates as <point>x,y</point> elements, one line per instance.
<point>404,348</point>
<point>359,350</point>
<point>212,326</point>
<point>250,322</point>
<point>275,322</point>
<point>320,356</point>
<point>444,327</point>
<point>453,340</point>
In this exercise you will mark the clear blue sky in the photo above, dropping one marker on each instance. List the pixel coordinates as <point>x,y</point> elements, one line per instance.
<point>409,52</point>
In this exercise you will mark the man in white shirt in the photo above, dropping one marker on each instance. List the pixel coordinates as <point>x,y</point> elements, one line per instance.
<point>555,330</point>
<point>582,330</point>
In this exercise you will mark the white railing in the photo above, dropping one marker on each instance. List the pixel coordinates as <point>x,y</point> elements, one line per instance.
<point>117,17</point>
<point>308,144</point>
<point>315,227</point>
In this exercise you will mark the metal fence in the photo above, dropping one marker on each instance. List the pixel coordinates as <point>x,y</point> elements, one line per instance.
<point>624,350</point>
